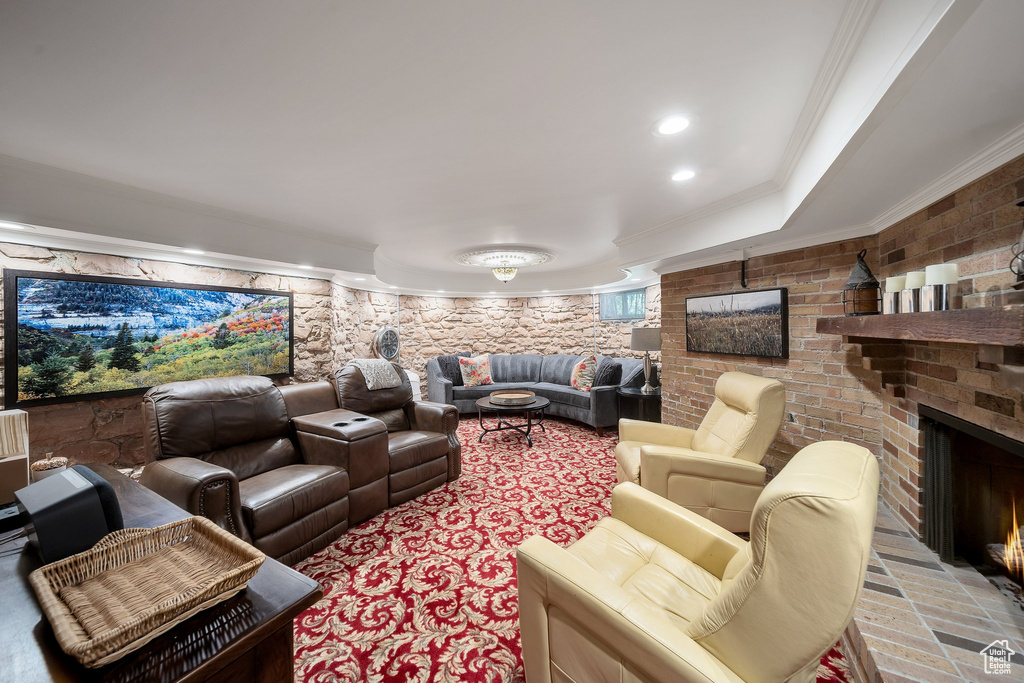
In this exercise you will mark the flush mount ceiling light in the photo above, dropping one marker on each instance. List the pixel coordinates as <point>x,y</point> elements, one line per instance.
<point>504,262</point>
<point>670,125</point>
<point>684,174</point>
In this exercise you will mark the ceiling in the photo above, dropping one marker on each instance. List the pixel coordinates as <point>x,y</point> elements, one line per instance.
<point>377,140</point>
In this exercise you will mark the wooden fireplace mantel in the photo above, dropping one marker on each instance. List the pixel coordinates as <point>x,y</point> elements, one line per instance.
<point>995,326</point>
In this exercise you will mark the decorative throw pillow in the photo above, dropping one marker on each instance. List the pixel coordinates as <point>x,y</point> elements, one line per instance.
<point>609,373</point>
<point>583,373</point>
<point>450,369</point>
<point>476,371</point>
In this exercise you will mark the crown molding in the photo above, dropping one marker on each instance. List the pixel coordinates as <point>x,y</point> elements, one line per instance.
<point>1003,150</point>
<point>717,207</point>
<point>853,25</point>
<point>116,189</point>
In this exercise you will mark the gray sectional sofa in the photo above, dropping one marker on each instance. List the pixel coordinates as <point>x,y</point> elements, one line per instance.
<point>547,376</point>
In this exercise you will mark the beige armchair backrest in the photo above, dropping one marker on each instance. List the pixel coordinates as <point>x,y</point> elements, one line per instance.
<point>785,603</point>
<point>744,419</point>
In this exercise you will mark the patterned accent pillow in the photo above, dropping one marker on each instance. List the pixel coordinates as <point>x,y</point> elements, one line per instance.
<point>609,373</point>
<point>476,371</point>
<point>583,373</point>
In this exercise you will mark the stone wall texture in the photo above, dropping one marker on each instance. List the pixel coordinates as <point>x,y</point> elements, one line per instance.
<point>333,324</point>
<point>859,390</point>
<point>110,430</point>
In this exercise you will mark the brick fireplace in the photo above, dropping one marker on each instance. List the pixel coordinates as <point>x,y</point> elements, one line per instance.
<point>866,390</point>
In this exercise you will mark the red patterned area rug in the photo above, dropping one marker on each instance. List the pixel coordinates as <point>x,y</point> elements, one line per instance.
<point>427,590</point>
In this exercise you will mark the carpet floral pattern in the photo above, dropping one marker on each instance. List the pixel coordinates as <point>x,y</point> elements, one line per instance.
<point>426,591</point>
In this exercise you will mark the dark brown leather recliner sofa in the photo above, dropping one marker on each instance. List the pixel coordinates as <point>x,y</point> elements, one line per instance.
<point>287,469</point>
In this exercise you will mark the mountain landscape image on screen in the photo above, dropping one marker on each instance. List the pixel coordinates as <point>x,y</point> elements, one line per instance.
<point>78,337</point>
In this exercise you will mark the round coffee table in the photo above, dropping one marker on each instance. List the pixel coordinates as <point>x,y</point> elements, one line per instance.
<point>528,411</point>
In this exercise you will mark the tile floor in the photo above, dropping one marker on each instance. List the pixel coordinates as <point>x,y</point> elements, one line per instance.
<point>922,620</point>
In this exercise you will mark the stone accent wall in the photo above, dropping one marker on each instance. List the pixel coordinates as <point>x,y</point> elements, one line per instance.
<point>434,326</point>
<point>834,385</point>
<point>110,430</point>
<point>356,316</point>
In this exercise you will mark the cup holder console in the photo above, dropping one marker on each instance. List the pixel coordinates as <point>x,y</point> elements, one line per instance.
<point>340,424</point>
<point>360,419</point>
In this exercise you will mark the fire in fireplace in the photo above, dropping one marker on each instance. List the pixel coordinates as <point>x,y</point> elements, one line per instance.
<point>1009,556</point>
<point>972,478</point>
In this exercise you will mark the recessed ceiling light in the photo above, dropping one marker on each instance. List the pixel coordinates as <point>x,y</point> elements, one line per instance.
<point>7,225</point>
<point>359,279</point>
<point>194,252</point>
<point>440,291</point>
<point>670,125</point>
<point>684,174</point>
<point>306,267</point>
<point>545,291</point>
<point>634,279</point>
<point>392,286</point>
<point>492,292</point>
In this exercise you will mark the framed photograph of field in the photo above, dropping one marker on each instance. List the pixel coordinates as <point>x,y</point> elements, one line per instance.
<point>74,337</point>
<point>740,324</point>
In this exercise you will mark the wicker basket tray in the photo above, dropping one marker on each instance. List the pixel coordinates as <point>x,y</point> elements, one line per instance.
<point>512,397</point>
<point>138,583</point>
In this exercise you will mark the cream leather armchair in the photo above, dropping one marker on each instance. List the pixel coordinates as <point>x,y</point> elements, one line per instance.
<point>658,593</point>
<point>716,469</point>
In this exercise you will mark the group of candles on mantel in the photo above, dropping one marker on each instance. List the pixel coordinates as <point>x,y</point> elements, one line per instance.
<point>931,289</point>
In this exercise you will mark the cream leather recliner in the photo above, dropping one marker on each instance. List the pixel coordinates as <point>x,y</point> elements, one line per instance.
<point>658,593</point>
<point>716,470</point>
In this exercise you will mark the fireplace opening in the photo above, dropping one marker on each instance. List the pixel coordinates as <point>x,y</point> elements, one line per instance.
<point>973,487</point>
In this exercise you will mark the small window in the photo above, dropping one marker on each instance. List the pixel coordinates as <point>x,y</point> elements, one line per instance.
<point>628,305</point>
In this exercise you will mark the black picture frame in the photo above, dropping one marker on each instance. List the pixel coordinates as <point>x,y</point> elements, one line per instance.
<point>758,347</point>
<point>11,277</point>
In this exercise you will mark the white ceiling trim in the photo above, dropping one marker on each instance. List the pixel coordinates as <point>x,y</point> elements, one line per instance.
<point>1005,149</point>
<point>714,208</point>
<point>853,24</point>
<point>19,208</point>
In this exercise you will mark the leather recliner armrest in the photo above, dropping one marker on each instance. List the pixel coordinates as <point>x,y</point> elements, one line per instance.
<point>658,463</point>
<point>439,417</point>
<point>551,577</point>
<point>694,537</point>
<point>655,433</point>
<point>201,488</point>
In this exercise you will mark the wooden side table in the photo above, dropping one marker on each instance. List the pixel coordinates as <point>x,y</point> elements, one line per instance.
<point>247,637</point>
<point>638,405</point>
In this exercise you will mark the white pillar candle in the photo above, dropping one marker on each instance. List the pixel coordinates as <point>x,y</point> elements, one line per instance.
<point>941,274</point>
<point>915,280</point>
<point>895,283</point>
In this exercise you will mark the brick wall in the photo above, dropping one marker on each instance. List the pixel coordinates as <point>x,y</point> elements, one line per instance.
<point>834,385</point>
<point>828,393</point>
<point>974,227</point>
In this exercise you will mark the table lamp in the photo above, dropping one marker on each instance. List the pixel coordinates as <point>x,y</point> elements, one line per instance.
<point>646,339</point>
<point>13,453</point>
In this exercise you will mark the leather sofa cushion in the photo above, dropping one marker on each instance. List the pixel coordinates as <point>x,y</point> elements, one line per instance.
<point>190,419</point>
<point>652,573</point>
<point>250,459</point>
<point>275,499</point>
<point>411,448</point>
<point>473,393</point>
<point>557,368</point>
<point>395,420</point>
<point>520,367</point>
<point>353,394</point>
<point>557,393</point>
<point>309,397</point>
